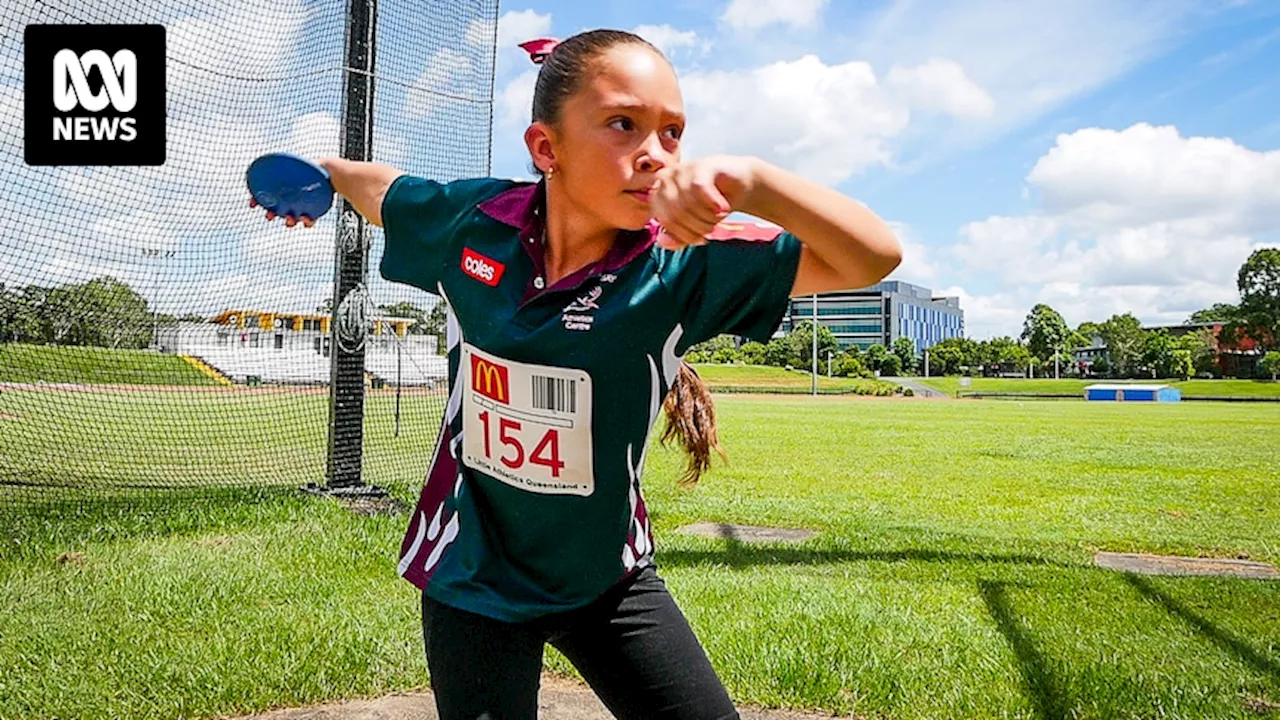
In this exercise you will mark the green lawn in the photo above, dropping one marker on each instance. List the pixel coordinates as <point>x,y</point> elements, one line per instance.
<point>951,579</point>
<point>94,366</point>
<point>1189,388</point>
<point>139,438</point>
<point>764,378</point>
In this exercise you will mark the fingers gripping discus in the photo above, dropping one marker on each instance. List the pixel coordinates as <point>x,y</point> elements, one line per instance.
<point>288,184</point>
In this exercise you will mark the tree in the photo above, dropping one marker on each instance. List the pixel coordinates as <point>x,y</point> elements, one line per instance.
<point>1259,284</point>
<point>1123,335</point>
<point>1202,348</point>
<point>1271,364</point>
<point>1182,365</point>
<point>1158,348</point>
<point>1088,329</point>
<point>409,310</point>
<point>436,323</point>
<point>875,356</point>
<point>905,349</point>
<point>801,338</point>
<point>720,349</point>
<point>891,365</point>
<point>1218,312</point>
<point>951,355</point>
<point>1045,332</point>
<point>778,352</point>
<point>753,353</point>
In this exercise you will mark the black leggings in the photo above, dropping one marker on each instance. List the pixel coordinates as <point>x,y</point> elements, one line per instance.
<point>632,645</point>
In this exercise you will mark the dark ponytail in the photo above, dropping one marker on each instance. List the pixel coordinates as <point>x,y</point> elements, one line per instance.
<point>691,419</point>
<point>567,64</point>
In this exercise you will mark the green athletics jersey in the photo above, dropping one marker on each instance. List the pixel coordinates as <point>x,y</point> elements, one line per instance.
<point>532,504</point>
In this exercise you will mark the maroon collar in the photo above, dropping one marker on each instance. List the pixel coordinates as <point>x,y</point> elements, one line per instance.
<point>521,208</point>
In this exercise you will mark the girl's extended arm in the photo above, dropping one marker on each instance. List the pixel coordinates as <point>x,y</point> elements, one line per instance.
<point>364,184</point>
<point>846,246</point>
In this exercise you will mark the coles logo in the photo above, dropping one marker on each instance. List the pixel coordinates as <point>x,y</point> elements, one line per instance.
<point>490,379</point>
<point>482,268</point>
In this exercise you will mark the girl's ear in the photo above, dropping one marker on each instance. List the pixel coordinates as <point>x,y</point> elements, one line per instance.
<point>540,139</point>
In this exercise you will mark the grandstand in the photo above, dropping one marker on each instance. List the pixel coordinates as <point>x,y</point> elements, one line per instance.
<point>294,348</point>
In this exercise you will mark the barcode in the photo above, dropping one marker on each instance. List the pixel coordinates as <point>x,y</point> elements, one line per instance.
<point>557,394</point>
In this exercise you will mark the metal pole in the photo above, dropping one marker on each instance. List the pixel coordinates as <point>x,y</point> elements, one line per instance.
<point>346,406</point>
<point>926,363</point>
<point>828,363</point>
<point>815,343</point>
<point>399,342</point>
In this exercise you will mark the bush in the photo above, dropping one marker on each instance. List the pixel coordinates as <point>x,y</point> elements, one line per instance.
<point>752,353</point>
<point>908,393</point>
<point>891,365</point>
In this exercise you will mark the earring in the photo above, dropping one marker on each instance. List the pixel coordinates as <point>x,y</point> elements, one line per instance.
<point>551,172</point>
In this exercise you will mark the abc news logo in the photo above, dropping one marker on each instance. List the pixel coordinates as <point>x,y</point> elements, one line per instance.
<point>95,95</point>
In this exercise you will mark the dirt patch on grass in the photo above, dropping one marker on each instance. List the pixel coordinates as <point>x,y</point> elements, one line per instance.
<point>558,699</point>
<point>70,558</point>
<point>1145,564</point>
<point>749,533</point>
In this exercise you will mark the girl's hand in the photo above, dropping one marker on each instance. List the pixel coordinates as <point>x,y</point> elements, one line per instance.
<point>290,220</point>
<point>692,198</point>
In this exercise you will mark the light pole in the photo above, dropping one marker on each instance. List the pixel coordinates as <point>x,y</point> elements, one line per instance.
<point>815,344</point>
<point>828,363</point>
<point>155,290</point>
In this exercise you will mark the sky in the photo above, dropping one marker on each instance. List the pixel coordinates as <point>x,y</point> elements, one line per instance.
<point>1102,157</point>
<point>1098,156</point>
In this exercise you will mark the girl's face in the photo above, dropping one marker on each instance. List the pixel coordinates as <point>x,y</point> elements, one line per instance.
<point>621,127</point>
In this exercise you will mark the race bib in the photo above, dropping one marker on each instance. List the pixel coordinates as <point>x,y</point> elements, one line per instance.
<point>527,425</point>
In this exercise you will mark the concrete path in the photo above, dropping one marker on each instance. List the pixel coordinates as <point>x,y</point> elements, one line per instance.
<point>917,387</point>
<point>559,699</point>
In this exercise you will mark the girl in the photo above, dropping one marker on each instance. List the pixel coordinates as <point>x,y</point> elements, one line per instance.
<point>572,302</point>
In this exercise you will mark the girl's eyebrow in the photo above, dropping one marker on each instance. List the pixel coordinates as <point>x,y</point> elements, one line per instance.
<point>638,107</point>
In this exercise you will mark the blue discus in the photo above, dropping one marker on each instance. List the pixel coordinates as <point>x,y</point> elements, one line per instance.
<point>290,185</point>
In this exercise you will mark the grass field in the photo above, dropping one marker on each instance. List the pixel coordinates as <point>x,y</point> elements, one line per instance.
<point>775,379</point>
<point>94,366</point>
<point>1189,388</point>
<point>951,579</point>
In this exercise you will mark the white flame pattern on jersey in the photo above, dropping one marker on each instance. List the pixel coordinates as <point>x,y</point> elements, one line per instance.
<point>638,549</point>
<point>433,532</point>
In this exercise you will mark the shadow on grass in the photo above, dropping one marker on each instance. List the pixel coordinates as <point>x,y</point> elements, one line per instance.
<point>738,554</point>
<point>1221,637</point>
<point>1049,700</point>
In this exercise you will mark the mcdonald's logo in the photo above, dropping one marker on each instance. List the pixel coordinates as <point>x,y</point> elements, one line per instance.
<point>490,379</point>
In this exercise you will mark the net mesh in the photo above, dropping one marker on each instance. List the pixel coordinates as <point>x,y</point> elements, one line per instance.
<point>156,334</point>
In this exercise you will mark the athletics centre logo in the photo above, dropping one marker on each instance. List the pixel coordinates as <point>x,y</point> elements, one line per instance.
<point>490,379</point>
<point>94,94</point>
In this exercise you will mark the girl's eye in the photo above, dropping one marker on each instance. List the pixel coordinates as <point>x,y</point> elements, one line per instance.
<point>623,124</point>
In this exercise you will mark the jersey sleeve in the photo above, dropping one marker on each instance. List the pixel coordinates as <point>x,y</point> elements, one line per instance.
<point>739,283</point>
<point>420,219</point>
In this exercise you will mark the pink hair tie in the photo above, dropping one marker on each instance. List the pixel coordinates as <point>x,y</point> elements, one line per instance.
<point>539,49</point>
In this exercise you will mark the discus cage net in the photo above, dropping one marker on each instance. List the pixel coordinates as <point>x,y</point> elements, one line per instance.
<point>157,335</point>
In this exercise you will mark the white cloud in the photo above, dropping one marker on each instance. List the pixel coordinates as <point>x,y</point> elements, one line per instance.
<point>446,74</point>
<point>826,122</point>
<point>1142,220</point>
<point>514,27</point>
<point>917,266</point>
<point>749,15</point>
<point>1145,174</point>
<point>517,26</point>
<point>941,85</point>
<point>1029,57</point>
<point>515,102</point>
<point>669,40</point>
